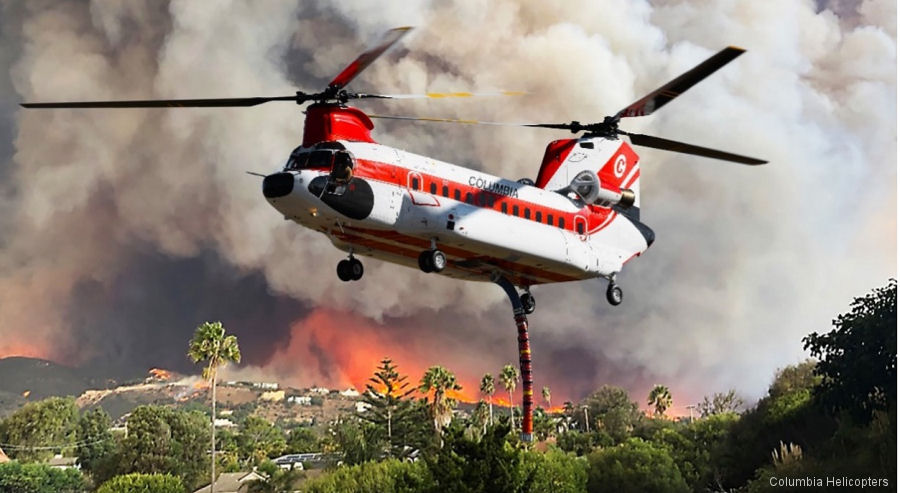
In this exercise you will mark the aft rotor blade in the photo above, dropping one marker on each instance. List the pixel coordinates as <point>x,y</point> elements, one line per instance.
<point>164,103</point>
<point>658,98</point>
<point>439,95</point>
<point>675,146</point>
<point>366,59</point>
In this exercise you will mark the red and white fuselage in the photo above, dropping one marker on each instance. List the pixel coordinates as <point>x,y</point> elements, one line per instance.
<point>399,204</point>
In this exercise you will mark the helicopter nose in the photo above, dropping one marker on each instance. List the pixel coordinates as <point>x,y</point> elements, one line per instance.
<point>278,185</point>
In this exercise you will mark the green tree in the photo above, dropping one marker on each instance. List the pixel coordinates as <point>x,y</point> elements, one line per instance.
<point>142,483</point>
<point>509,377</point>
<point>438,380</point>
<point>163,440</point>
<point>611,410</point>
<point>556,471</point>
<point>488,464</point>
<point>302,439</point>
<point>388,476</point>
<point>487,389</point>
<point>97,446</point>
<point>390,407</point>
<point>659,399</point>
<point>358,441</point>
<point>634,466</point>
<point>213,347</point>
<point>259,440</point>
<point>858,358</point>
<point>720,402</point>
<point>39,478</point>
<point>40,429</point>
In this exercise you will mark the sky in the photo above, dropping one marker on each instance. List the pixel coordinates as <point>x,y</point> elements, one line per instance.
<point>122,230</point>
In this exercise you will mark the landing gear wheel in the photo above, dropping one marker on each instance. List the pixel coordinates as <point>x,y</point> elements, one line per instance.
<point>438,260</point>
<point>344,270</point>
<point>528,303</point>
<point>613,294</point>
<point>356,269</point>
<point>432,261</point>
<point>425,262</point>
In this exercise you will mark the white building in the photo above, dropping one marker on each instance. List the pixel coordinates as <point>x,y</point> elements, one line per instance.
<point>303,400</point>
<point>350,393</point>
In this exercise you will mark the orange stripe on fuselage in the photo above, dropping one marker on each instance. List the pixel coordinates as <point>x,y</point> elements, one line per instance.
<point>538,276</point>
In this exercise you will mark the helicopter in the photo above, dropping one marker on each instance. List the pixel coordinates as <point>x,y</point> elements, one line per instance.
<point>579,218</point>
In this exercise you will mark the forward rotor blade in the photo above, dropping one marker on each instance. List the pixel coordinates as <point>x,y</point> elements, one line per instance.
<point>439,95</point>
<point>658,98</point>
<point>366,59</point>
<point>164,103</point>
<point>675,146</point>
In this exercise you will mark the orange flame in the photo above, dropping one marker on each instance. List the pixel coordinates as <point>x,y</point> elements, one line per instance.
<point>160,374</point>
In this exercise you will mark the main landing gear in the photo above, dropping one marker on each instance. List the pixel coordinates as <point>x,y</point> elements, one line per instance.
<point>528,303</point>
<point>350,269</point>
<point>613,292</point>
<point>432,260</point>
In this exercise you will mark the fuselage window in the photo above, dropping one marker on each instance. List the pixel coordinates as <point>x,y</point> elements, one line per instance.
<point>538,216</point>
<point>550,219</point>
<point>490,201</point>
<point>469,198</point>
<point>482,199</point>
<point>456,194</point>
<point>527,213</point>
<point>580,228</point>
<point>433,188</point>
<point>516,210</point>
<point>503,208</point>
<point>320,159</point>
<point>562,223</point>
<point>415,183</point>
<point>445,191</point>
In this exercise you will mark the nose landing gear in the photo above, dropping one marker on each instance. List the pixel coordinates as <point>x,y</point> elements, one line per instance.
<point>350,269</point>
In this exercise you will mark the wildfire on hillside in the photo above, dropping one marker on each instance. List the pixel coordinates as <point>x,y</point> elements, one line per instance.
<point>160,375</point>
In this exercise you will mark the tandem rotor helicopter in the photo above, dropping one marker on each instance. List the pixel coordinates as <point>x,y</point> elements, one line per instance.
<point>578,219</point>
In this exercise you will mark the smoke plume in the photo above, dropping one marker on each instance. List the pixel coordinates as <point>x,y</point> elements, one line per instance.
<point>121,230</point>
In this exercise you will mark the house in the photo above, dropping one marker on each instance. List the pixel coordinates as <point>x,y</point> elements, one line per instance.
<point>303,400</point>
<point>272,395</point>
<point>3,457</point>
<point>319,391</point>
<point>233,482</point>
<point>60,462</point>
<point>350,393</point>
<point>224,423</point>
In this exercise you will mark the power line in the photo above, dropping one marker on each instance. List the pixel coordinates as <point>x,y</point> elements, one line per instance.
<point>81,443</point>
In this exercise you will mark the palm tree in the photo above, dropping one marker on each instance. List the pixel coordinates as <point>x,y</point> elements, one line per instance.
<point>487,388</point>
<point>660,399</point>
<point>215,349</point>
<point>546,393</point>
<point>509,376</point>
<point>439,380</point>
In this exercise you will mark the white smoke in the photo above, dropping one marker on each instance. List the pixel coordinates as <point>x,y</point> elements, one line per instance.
<point>747,260</point>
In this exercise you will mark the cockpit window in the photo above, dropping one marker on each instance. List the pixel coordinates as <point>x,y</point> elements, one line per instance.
<point>297,161</point>
<point>342,170</point>
<point>320,159</point>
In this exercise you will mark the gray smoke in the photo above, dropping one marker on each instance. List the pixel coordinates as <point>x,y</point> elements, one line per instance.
<point>121,230</point>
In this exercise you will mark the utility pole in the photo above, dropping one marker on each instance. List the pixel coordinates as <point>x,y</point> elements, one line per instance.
<point>587,423</point>
<point>692,407</point>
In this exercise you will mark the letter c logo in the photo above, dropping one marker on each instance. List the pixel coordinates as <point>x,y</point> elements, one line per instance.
<point>621,164</point>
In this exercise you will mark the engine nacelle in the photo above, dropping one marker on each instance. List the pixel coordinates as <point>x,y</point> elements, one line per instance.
<point>587,186</point>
